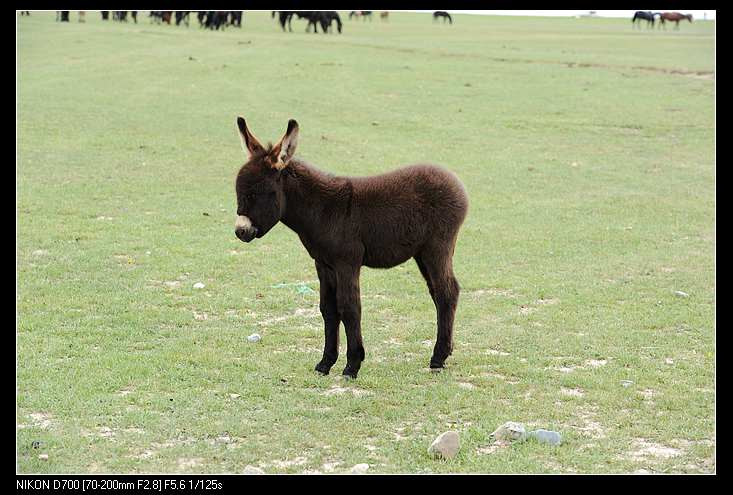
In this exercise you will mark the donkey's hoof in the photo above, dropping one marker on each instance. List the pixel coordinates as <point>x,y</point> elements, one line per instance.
<point>436,367</point>
<point>349,374</point>
<point>323,368</point>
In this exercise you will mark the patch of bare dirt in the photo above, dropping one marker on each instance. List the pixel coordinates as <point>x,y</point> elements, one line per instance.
<point>286,463</point>
<point>492,449</point>
<point>492,292</point>
<point>572,392</point>
<point>643,449</point>
<point>188,463</point>
<point>526,309</point>
<point>298,313</point>
<point>586,423</point>
<point>39,420</point>
<point>337,390</point>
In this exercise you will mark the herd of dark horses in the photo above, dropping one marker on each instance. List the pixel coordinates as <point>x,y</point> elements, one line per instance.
<point>325,18</point>
<point>210,19</point>
<point>649,17</point>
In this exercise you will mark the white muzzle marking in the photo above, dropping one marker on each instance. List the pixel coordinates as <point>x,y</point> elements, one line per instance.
<point>242,223</point>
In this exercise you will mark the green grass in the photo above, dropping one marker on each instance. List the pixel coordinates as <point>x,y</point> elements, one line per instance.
<point>587,149</point>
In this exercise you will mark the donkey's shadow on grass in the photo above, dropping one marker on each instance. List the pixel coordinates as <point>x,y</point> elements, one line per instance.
<point>349,222</point>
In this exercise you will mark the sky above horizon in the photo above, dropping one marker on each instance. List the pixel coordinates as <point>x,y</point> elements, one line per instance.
<point>696,14</point>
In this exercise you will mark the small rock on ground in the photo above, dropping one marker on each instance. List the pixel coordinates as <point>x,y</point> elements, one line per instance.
<point>252,470</point>
<point>198,285</point>
<point>360,469</point>
<point>509,432</point>
<point>546,436</point>
<point>445,446</point>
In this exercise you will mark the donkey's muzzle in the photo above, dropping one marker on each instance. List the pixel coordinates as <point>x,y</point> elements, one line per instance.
<point>244,229</point>
<point>246,235</point>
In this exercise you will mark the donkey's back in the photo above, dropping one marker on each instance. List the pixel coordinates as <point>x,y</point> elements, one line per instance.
<point>401,213</point>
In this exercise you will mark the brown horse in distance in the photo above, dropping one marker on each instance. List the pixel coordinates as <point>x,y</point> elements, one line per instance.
<point>348,222</point>
<point>675,17</point>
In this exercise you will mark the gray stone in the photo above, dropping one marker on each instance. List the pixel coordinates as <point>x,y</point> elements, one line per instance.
<point>360,468</point>
<point>255,337</point>
<point>445,446</point>
<point>546,436</point>
<point>252,470</point>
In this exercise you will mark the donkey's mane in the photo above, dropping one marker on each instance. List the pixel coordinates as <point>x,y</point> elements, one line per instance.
<point>312,181</point>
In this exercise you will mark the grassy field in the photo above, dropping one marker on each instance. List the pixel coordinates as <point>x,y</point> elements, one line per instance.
<point>588,152</point>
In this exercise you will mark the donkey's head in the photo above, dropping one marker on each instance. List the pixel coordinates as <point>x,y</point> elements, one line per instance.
<point>260,195</point>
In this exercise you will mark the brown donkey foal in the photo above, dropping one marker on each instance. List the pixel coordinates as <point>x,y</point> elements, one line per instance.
<point>349,222</point>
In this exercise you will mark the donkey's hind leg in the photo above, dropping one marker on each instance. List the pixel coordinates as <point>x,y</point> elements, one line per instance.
<point>436,265</point>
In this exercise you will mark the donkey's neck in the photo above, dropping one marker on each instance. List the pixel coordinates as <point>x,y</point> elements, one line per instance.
<point>313,198</point>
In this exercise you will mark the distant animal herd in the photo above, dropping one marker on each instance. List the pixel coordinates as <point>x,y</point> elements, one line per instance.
<point>220,19</point>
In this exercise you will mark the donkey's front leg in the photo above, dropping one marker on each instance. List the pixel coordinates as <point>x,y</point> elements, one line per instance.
<point>331,320</point>
<point>349,307</point>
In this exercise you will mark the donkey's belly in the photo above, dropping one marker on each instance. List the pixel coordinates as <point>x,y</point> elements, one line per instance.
<point>385,260</point>
<point>387,255</point>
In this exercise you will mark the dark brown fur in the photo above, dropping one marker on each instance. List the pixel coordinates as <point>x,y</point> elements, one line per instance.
<point>349,222</point>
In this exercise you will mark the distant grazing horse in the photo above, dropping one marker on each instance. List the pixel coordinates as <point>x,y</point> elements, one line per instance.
<point>348,222</point>
<point>646,16</point>
<point>444,15</point>
<point>216,19</point>
<point>236,18</point>
<point>361,13</point>
<point>384,16</point>
<point>285,17</point>
<point>159,16</point>
<point>121,15</point>
<point>315,17</point>
<point>62,15</point>
<point>105,15</point>
<point>675,17</point>
<point>327,18</point>
<point>182,17</point>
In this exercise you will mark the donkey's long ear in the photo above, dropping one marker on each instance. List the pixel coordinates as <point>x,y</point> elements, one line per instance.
<point>285,149</point>
<point>250,145</point>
